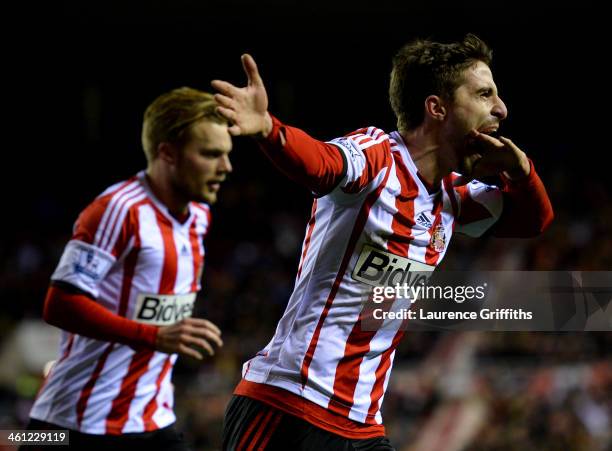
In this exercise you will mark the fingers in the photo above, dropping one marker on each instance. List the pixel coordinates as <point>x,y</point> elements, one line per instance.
<point>190,332</point>
<point>498,155</point>
<point>189,352</point>
<point>487,142</point>
<point>203,322</point>
<point>250,68</point>
<point>200,327</point>
<point>207,334</point>
<point>189,342</point>
<point>225,88</point>
<point>235,130</point>
<point>486,166</point>
<point>225,101</point>
<point>227,110</point>
<point>509,143</point>
<point>231,116</point>
<point>228,114</point>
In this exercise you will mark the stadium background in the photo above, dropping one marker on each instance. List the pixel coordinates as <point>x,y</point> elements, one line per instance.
<point>79,90</point>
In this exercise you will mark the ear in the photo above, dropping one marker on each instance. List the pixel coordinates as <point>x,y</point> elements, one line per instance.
<point>435,108</point>
<point>167,152</point>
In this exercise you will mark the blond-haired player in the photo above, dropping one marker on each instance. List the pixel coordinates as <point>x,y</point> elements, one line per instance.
<point>124,289</point>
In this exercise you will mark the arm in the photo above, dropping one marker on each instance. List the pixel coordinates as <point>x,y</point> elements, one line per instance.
<point>317,165</point>
<point>73,310</point>
<point>527,209</point>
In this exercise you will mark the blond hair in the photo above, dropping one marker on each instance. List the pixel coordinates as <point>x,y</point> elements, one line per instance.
<point>171,114</point>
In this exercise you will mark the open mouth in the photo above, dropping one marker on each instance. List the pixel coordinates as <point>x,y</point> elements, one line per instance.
<point>214,186</point>
<point>491,131</point>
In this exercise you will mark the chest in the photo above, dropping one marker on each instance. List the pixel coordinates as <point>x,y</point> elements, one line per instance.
<point>167,245</point>
<point>408,220</point>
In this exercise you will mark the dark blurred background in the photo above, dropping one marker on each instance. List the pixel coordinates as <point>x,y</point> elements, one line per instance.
<point>81,77</point>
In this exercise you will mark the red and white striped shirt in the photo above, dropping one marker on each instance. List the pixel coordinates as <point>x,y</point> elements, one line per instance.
<point>380,217</point>
<point>139,262</point>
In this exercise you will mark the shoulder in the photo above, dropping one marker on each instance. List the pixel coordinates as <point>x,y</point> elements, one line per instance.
<point>367,154</point>
<point>201,209</point>
<point>109,209</point>
<point>364,138</point>
<point>202,213</point>
<point>365,145</point>
<point>368,136</point>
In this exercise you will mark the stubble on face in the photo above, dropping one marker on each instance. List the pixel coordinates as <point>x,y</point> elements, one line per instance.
<point>203,162</point>
<point>471,109</point>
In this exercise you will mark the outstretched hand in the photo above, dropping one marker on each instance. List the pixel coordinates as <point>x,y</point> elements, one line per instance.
<point>499,155</point>
<point>245,108</point>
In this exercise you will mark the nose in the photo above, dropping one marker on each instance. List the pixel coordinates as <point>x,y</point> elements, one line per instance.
<point>499,109</point>
<point>225,165</point>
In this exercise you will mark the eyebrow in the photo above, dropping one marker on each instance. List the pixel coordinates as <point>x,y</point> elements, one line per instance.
<point>486,89</point>
<point>215,150</point>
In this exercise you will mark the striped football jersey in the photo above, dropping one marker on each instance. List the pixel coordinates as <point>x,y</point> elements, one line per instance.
<point>130,255</point>
<point>378,223</point>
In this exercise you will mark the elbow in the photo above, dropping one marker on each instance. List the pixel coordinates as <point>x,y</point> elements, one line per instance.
<point>547,215</point>
<point>48,312</point>
<point>51,307</point>
<point>529,229</point>
<point>547,221</point>
<point>543,224</point>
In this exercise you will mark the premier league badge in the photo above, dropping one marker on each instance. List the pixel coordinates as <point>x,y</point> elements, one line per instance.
<point>438,238</point>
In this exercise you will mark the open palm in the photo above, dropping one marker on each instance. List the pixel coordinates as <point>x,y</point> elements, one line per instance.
<point>246,108</point>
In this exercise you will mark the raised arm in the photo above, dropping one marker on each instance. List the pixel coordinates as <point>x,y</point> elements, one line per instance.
<point>247,107</point>
<point>315,164</point>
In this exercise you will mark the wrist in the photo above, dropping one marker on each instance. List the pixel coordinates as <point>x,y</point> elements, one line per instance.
<point>267,127</point>
<point>148,335</point>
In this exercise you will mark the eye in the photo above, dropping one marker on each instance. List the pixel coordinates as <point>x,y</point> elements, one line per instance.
<point>211,153</point>
<point>486,93</point>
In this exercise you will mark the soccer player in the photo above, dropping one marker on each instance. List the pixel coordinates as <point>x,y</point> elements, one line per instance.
<point>382,200</point>
<point>124,289</point>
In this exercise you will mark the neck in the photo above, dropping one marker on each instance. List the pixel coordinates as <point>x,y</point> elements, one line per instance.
<point>160,184</point>
<point>428,155</point>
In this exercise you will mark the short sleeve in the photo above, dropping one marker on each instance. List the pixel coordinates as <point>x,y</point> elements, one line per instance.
<point>480,206</point>
<point>101,235</point>
<point>366,152</point>
<point>84,266</point>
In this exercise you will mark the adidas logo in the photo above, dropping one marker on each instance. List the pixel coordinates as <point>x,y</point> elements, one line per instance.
<point>423,220</point>
<point>184,250</point>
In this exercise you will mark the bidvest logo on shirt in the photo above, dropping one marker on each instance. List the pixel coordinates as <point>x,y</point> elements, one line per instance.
<point>163,309</point>
<point>376,267</point>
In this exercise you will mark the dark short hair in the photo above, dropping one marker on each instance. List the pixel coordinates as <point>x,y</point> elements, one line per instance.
<point>423,67</point>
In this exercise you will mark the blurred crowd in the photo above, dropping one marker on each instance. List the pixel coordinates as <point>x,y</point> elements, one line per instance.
<point>481,391</point>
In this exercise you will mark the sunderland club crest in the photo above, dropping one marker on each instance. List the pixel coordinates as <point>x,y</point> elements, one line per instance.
<point>438,238</point>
